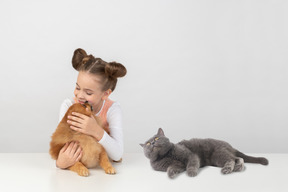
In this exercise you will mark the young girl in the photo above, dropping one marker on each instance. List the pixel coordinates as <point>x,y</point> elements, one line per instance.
<point>96,80</point>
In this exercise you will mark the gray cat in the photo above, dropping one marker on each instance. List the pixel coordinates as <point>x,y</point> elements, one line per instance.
<point>192,154</point>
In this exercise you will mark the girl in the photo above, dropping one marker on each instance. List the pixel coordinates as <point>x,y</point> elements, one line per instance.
<point>96,80</point>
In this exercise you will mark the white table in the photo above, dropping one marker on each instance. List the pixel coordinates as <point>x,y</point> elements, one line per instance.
<point>37,172</point>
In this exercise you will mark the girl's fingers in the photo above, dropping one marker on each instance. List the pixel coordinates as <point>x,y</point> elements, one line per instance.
<point>79,115</point>
<point>79,157</point>
<point>75,124</point>
<point>74,148</point>
<point>76,129</point>
<point>70,147</point>
<point>75,119</point>
<point>64,148</point>
<point>77,153</point>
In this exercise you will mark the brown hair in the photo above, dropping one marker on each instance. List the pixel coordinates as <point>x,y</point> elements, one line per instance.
<point>109,72</point>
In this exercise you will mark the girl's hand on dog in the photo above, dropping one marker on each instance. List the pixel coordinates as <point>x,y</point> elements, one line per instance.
<point>69,155</point>
<point>86,125</point>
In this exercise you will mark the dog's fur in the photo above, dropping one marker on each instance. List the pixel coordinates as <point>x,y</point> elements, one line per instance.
<point>93,153</point>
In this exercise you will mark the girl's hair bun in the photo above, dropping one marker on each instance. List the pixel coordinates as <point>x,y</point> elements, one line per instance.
<point>109,72</point>
<point>79,58</point>
<point>115,70</point>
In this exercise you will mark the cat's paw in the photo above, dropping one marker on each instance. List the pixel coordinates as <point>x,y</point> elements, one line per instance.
<point>110,171</point>
<point>172,173</point>
<point>226,170</point>
<point>83,171</point>
<point>239,166</point>
<point>192,172</point>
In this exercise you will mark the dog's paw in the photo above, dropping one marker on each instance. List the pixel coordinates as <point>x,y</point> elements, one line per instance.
<point>110,171</point>
<point>83,171</point>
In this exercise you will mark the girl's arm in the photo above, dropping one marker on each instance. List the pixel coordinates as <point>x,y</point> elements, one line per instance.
<point>113,143</point>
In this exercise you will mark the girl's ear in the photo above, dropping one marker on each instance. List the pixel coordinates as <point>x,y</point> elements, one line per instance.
<point>106,94</point>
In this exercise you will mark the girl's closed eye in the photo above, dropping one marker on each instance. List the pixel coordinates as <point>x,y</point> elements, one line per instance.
<point>89,93</point>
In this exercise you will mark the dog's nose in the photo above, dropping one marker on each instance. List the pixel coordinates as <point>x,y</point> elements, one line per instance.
<point>88,104</point>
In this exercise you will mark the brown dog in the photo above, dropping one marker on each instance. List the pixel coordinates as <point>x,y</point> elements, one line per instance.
<point>93,153</point>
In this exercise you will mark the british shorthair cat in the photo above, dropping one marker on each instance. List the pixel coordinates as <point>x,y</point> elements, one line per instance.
<point>190,155</point>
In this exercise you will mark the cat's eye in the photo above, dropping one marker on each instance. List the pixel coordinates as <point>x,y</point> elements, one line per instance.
<point>156,138</point>
<point>148,143</point>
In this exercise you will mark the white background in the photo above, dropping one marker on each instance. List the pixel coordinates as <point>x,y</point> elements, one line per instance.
<point>195,68</point>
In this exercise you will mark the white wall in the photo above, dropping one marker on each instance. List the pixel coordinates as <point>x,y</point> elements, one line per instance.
<point>195,68</point>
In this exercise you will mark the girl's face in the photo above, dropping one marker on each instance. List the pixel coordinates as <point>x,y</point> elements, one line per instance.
<point>89,88</point>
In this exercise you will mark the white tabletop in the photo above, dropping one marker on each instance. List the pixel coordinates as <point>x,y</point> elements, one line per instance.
<point>37,172</point>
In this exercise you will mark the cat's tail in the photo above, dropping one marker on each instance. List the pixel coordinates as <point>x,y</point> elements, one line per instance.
<point>250,159</point>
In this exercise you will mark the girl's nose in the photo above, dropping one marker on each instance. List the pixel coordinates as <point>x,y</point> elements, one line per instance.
<point>80,95</point>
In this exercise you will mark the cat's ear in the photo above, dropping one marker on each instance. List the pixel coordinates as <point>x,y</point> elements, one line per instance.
<point>160,132</point>
<point>142,145</point>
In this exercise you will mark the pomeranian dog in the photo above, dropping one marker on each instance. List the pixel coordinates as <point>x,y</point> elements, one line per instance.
<point>93,153</point>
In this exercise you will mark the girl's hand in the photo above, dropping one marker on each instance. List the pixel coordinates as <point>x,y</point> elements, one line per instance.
<point>69,155</point>
<point>86,125</point>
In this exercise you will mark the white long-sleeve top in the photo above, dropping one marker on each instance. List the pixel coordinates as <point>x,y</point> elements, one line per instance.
<point>112,143</point>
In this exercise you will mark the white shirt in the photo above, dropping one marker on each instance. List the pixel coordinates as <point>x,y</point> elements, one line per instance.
<point>112,143</point>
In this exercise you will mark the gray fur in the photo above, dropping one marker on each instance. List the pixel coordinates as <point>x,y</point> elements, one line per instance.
<point>190,155</point>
